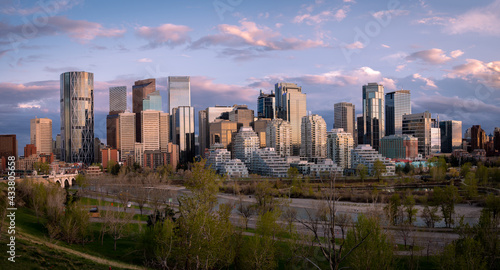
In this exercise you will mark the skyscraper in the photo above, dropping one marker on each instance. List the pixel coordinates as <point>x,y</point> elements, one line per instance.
<point>77,117</point>
<point>339,146</point>
<point>242,115</point>
<point>205,117</point>
<point>127,135</point>
<point>397,104</point>
<point>152,102</point>
<point>279,137</point>
<point>313,136</point>
<point>478,138</point>
<point>345,118</point>
<point>41,135</point>
<point>419,125</point>
<point>291,106</point>
<point>140,91</point>
<point>179,92</point>
<point>373,126</point>
<point>496,139</point>
<point>183,133</point>
<point>117,99</point>
<point>266,105</point>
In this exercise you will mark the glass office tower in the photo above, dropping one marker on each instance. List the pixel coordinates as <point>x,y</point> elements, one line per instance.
<point>344,114</point>
<point>451,135</point>
<point>179,92</point>
<point>397,104</point>
<point>77,117</point>
<point>373,124</point>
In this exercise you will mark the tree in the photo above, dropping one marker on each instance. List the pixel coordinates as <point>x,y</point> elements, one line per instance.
<point>41,167</point>
<point>265,197</point>
<point>246,211</point>
<point>470,182</point>
<point>430,216</point>
<point>482,174</point>
<point>375,252</point>
<point>393,209</point>
<point>160,244</point>
<point>38,199</point>
<point>465,169</point>
<point>493,206</point>
<point>117,224</point>
<point>409,206</point>
<point>3,205</point>
<point>446,198</point>
<point>379,168</point>
<point>75,224</point>
<point>290,215</point>
<point>362,172</point>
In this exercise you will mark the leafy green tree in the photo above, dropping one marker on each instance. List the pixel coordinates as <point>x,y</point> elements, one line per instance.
<point>482,174</point>
<point>375,252</point>
<point>393,209</point>
<point>409,206</point>
<point>41,167</point>
<point>362,171</point>
<point>379,168</point>
<point>470,185</point>
<point>493,206</point>
<point>75,224</point>
<point>430,215</point>
<point>160,245</point>
<point>465,169</point>
<point>446,198</point>
<point>38,199</point>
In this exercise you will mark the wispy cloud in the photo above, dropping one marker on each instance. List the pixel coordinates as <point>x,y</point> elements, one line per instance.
<point>324,16</point>
<point>431,56</point>
<point>170,35</point>
<point>145,60</point>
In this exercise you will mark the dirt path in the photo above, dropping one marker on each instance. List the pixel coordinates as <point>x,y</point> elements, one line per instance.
<point>36,240</point>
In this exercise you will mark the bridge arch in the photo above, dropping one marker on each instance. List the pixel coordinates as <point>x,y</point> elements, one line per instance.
<point>66,183</point>
<point>59,183</point>
<point>73,182</point>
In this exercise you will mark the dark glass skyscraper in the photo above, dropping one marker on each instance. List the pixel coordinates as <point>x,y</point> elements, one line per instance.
<point>344,114</point>
<point>77,117</point>
<point>397,104</point>
<point>373,125</point>
<point>451,135</point>
<point>266,105</point>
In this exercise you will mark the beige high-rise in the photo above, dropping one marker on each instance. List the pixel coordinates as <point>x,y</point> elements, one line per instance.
<point>127,135</point>
<point>291,106</point>
<point>41,135</point>
<point>279,137</point>
<point>313,136</point>
<point>154,130</point>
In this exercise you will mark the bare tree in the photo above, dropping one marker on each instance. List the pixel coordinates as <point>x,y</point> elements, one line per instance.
<point>322,225</point>
<point>246,211</point>
<point>290,215</point>
<point>117,224</point>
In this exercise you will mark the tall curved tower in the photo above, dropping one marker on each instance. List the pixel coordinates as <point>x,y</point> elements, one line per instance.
<point>77,117</point>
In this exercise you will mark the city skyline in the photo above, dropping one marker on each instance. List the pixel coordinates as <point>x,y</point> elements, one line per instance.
<point>231,58</point>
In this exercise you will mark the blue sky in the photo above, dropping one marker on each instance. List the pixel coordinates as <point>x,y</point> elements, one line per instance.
<point>445,52</point>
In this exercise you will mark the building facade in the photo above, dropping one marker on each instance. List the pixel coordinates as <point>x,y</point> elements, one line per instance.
<point>419,125</point>
<point>267,162</point>
<point>397,104</point>
<point>205,117</point>
<point>126,145</point>
<point>117,99</point>
<point>77,117</point>
<point>313,136</point>
<point>372,127</point>
<point>366,155</point>
<point>399,147</point>
<point>345,118</point>
<point>279,137</point>
<point>245,143</point>
<point>140,91</point>
<point>41,135</point>
<point>478,138</point>
<point>266,105</point>
<point>339,145</point>
<point>451,135</point>
<point>179,92</point>
<point>291,106</point>
<point>183,133</point>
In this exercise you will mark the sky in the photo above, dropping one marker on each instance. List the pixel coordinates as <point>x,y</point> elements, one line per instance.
<point>445,52</point>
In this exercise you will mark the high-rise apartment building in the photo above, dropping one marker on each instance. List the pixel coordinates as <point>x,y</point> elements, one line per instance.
<point>451,135</point>
<point>126,132</point>
<point>291,106</point>
<point>397,104</point>
<point>183,133</point>
<point>140,91</point>
<point>179,92</point>
<point>313,136</point>
<point>419,125</point>
<point>245,143</point>
<point>41,135</point>
<point>77,117</point>
<point>205,117</point>
<point>372,127</point>
<point>266,105</point>
<point>279,137</point>
<point>339,145</point>
<point>345,118</point>
<point>117,99</point>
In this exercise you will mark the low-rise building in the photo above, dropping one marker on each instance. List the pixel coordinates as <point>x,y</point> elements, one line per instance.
<point>234,168</point>
<point>399,146</point>
<point>267,162</point>
<point>366,155</point>
<point>316,167</point>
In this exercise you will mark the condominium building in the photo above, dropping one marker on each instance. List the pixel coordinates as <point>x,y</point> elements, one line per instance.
<point>339,145</point>
<point>279,137</point>
<point>366,155</point>
<point>245,143</point>
<point>313,136</point>
<point>399,147</point>
<point>234,168</point>
<point>345,118</point>
<point>372,127</point>
<point>77,117</point>
<point>217,157</point>
<point>317,167</point>
<point>419,125</point>
<point>41,135</point>
<point>267,162</point>
<point>291,106</point>
<point>397,104</point>
<point>451,135</point>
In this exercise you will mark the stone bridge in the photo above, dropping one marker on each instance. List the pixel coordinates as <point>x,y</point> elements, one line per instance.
<point>63,180</point>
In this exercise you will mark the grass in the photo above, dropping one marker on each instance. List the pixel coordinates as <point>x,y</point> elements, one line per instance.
<point>35,256</point>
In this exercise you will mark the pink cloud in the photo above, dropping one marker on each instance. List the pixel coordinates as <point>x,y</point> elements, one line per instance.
<point>428,82</point>
<point>432,56</point>
<point>479,70</point>
<point>166,34</point>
